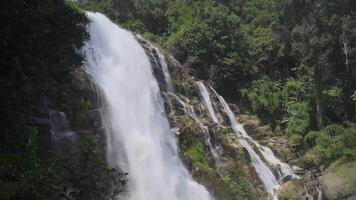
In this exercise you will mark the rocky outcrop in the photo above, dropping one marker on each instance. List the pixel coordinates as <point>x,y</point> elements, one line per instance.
<point>293,189</point>
<point>76,112</point>
<point>339,181</point>
<point>233,177</point>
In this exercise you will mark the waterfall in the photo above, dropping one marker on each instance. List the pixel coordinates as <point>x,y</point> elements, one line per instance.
<point>206,98</point>
<point>266,175</point>
<point>320,194</point>
<point>189,111</point>
<point>283,168</point>
<point>167,75</point>
<point>159,61</point>
<point>61,133</point>
<point>139,139</point>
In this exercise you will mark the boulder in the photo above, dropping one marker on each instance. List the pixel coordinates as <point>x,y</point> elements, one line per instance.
<point>293,189</point>
<point>339,181</point>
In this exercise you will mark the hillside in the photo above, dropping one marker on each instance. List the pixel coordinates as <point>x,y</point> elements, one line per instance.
<point>246,97</point>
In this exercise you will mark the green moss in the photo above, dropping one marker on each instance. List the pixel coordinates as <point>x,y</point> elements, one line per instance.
<point>225,131</point>
<point>236,186</point>
<point>345,171</point>
<point>74,6</point>
<point>190,133</point>
<point>195,154</point>
<point>190,125</point>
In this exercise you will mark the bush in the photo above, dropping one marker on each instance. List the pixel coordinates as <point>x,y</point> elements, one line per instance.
<point>333,142</point>
<point>295,139</point>
<point>79,174</point>
<point>225,131</point>
<point>266,98</point>
<point>236,185</point>
<point>297,118</point>
<point>310,138</point>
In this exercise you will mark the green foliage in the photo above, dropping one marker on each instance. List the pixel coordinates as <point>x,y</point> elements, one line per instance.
<point>85,171</point>
<point>31,157</point>
<point>346,171</point>
<point>310,138</point>
<point>196,156</point>
<point>295,139</point>
<point>74,6</point>
<point>333,142</point>
<point>297,118</point>
<point>236,186</point>
<point>225,131</point>
<point>79,174</point>
<point>81,116</point>
<point>354,96</point>
<point>267,98</point>
<point>38,42</point>
<point>292,61</point>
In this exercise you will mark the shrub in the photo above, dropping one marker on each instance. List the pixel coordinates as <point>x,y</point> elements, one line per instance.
<point>297,118</point>
<point>310,138</point>
<point>295,139</point>
<point>225,131</point>
<point>333,142</point>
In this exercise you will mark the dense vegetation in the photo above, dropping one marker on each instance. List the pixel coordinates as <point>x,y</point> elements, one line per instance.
<point>38,43</point>
<point>292,62</point>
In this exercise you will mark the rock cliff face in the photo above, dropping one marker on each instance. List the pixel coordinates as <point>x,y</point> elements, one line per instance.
<point>62,121</point>
<point>209,146</point>
<point>210,150</point>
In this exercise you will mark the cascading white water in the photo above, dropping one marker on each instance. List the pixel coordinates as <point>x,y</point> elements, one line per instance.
<point>283,168</point>
<point>267,177</point>
<point>206,98</point>
<point>189,110</point>
<point>320,194</point>
<point>167,75</point>
<point>61,133</point>
<point>138,138</point>
<point>161,63</point>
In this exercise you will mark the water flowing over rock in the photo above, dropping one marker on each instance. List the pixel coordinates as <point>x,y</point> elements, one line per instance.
<point>205,94</point>
<point>189,111</point>
<point>139,139</point>
<point>270,181</point>
<point>159,65</point>
<point>60,129</point>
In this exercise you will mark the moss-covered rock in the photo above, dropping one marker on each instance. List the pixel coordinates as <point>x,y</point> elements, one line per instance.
<point>339,181</point>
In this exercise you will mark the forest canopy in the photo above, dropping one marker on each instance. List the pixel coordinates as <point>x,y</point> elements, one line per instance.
<point>291,62</point>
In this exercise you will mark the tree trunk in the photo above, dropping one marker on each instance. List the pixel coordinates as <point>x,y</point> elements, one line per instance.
<point>320,117</point>
<point>349,82</point>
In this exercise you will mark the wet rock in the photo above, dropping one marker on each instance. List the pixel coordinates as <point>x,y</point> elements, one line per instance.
<point>286,178</point>
<point>86,87</point>
<point>293,189</point>
<point>39,121</point>
<point>297,169</point>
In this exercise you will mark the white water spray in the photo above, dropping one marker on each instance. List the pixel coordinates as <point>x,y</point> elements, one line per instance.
<point>189,110</point>
<point>267,177</point>
<point>206,98</point>
<point>161,63</point>
<point>138,137</point>
<point>167,75</point>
